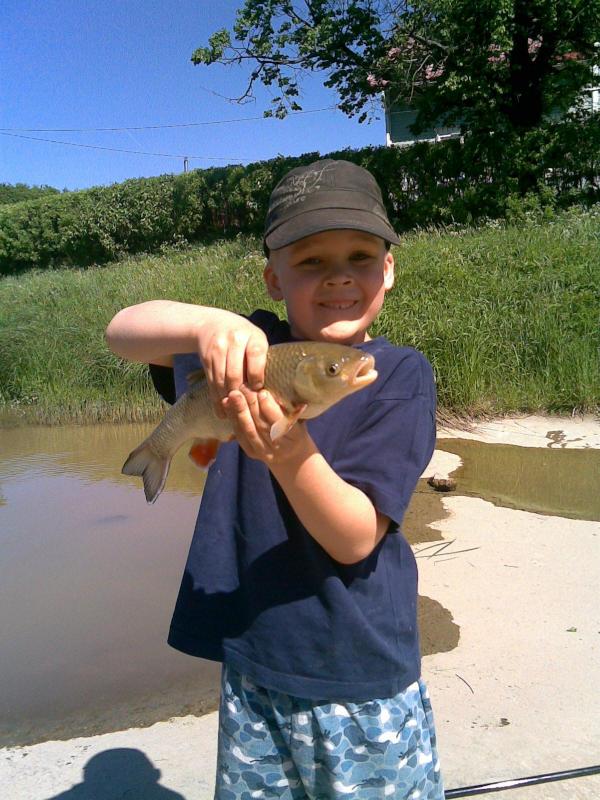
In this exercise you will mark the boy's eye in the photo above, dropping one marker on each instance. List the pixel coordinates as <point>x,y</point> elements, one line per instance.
<point>312,261</point>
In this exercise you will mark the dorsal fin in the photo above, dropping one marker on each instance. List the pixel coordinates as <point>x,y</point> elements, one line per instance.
<point>196,376</point>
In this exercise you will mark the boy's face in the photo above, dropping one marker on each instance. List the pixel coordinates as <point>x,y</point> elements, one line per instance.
<point>333,284</point>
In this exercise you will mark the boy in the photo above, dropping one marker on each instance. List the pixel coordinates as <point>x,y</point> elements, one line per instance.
<point>298,578</point>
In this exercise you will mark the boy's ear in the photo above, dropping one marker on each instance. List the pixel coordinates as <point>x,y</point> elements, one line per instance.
<point>272,282</point>
<point>388,271</point>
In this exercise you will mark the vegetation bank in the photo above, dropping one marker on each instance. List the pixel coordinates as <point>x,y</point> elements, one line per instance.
<point>506,313</point>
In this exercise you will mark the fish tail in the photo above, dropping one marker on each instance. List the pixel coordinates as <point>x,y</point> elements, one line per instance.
<point>153,469</point>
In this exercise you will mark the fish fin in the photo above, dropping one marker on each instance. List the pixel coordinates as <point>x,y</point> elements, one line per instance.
<point>203,452</point>
<point>283,425</point>
<point>196,376</point>
<point>153,470</point>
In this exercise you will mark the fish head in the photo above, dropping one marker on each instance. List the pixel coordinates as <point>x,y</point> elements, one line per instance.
<point>329,372</point>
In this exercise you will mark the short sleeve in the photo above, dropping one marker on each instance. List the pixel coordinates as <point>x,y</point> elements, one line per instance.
<point>276,330</point>
<point>164,381</point>
<point>385,454</point>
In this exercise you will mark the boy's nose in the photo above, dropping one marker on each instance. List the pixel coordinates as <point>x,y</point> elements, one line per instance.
<point>338,276</point>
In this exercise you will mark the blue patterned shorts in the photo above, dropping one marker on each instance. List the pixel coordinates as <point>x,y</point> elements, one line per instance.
<point>275,745</point>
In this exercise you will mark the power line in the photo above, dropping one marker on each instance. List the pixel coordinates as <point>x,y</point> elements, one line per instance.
<point>119,149</point>
<point>158,127</point>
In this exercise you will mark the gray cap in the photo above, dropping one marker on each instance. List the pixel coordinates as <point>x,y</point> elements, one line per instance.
<point>326,195</point>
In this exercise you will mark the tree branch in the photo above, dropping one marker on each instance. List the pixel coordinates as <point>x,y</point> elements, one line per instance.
<point>432,43</point>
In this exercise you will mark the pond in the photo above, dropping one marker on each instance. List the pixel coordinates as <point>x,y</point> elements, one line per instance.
<point>88,580</point>
<point>560,482</point>
<point>90,572</point>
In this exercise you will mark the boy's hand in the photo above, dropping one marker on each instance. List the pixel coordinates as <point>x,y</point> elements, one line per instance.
<point>252,415</point>
<point>339,516</point>
<point>232,354</point>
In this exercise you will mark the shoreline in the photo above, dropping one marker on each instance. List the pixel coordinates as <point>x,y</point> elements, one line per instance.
<point>450,424</point>
<point>495,690</point>
<point>532,430</point>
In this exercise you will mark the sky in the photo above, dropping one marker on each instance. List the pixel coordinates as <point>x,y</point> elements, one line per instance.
<point>68,64</point>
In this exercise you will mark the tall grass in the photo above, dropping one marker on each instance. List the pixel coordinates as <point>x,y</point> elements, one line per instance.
<point>507,315</point>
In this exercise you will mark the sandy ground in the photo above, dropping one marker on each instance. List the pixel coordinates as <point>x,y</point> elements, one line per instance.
<point>517,696</point>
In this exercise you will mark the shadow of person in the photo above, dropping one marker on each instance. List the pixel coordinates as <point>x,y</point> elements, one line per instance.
<point>120,773</point>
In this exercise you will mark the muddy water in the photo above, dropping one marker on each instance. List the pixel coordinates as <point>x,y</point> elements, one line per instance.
<point>90,572</point>
<point>88,579</point>
<point>548,480</point>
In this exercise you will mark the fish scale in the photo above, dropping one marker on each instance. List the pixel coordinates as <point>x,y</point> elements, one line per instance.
<point>279,372</point>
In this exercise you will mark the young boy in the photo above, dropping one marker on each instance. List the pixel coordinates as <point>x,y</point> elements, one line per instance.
<point>298,577</point>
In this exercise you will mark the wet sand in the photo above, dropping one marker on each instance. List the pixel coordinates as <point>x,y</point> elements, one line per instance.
<point>515,593</point>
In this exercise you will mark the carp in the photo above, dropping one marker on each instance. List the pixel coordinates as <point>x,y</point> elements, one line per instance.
<point>305,378</point>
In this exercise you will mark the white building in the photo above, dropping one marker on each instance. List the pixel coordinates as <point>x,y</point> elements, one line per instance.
<point>399,118</point>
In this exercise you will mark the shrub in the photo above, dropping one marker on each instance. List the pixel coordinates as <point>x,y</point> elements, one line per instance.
<point>426,184</point>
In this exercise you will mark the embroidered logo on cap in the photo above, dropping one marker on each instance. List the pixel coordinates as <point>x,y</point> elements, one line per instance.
<point>300,186</point>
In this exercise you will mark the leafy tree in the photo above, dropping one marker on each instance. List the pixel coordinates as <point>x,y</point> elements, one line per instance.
<point>487,64</point>
<point>492,64</point>
<point>17,192</point>
<point>283,40</point>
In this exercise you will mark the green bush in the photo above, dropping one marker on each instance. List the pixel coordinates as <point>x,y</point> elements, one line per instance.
<point>426,184</point>
<point>17,192</point>
<point>507,315</point>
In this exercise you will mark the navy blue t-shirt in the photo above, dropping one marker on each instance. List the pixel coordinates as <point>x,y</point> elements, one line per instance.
<point>261,594</point>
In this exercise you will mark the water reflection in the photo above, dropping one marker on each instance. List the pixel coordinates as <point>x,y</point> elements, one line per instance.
<point>557,481</point>
<point>94,452</point>
<point>88,580</point>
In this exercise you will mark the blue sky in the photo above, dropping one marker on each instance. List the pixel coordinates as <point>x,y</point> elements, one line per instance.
<point>123,63</point>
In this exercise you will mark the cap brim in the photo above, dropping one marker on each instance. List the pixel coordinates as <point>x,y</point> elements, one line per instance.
<point>328,219</point>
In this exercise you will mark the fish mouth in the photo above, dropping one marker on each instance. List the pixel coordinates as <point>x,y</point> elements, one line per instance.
<point>365,373</point>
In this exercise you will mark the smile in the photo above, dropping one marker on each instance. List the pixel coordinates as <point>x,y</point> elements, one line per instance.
<point>339,306</point>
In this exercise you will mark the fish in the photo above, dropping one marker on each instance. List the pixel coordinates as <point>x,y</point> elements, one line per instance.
<point>305,378</point>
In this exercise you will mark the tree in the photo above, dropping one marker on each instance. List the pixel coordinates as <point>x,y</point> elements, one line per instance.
<point>284,40</point>
<point>492,65</point>
<point>483,63</point>
<point>15,193</point>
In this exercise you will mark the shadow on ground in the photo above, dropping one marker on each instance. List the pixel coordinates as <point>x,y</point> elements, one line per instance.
<point>118,773</point>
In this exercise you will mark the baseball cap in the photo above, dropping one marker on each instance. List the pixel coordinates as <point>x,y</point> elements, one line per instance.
<point>322,196</point>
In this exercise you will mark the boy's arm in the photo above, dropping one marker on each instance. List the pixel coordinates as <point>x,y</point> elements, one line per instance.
<point>231,348</point>
<point>338,515</point>
<point>341,517</point>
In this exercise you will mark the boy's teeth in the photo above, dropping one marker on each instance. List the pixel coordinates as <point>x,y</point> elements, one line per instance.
<point>338,306</point>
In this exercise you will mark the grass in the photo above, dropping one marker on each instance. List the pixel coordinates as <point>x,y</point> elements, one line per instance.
<point>507,315</point>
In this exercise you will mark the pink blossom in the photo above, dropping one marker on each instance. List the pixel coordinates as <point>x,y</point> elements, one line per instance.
<point>431,73</point>
<point>495,48</point>
<point>376,83</point>
<point>572,56</point>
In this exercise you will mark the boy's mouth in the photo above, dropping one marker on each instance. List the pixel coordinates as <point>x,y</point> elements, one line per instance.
<point>338,305</point>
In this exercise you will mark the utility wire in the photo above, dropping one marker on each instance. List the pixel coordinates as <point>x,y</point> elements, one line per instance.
<point>120,150</point>
<point>157,127</point>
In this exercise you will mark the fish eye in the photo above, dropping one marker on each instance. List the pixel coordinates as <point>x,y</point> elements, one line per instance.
<point>333,368</point>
